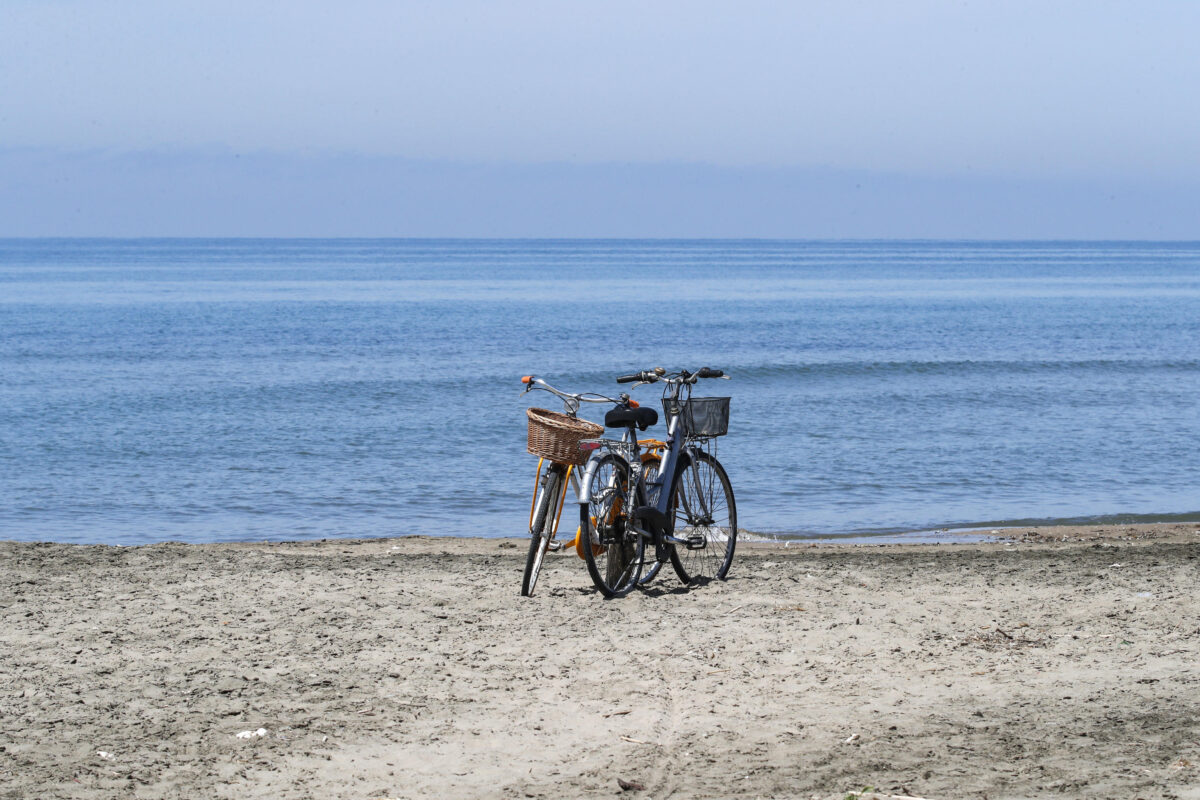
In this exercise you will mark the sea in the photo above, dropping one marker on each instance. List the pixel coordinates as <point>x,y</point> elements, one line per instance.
<point>210,390</point>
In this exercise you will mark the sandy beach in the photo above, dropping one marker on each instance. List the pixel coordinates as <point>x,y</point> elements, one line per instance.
<point>1065,663</point>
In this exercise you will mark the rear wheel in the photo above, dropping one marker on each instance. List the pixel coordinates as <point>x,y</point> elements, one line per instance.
<point>543,524</point>
<point>702,510</point>
<point>611,548</point>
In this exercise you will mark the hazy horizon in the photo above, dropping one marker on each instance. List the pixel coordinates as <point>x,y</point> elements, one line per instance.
<point>532,119</point>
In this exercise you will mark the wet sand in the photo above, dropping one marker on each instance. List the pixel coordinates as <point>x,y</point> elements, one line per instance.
<point>1064,663</point>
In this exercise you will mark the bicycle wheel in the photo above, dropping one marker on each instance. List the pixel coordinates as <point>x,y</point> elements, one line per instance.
<point>702,506</point>
<point>543,524</point>
<point>614,557</point>
<point>650,465</point>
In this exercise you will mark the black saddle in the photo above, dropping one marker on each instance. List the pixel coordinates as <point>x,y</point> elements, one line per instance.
<point>623,417</point>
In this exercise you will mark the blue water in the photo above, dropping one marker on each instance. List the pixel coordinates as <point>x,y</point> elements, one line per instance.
<point>211,390</point>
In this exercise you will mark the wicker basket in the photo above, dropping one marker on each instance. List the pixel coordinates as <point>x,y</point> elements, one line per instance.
<point>556,436</point>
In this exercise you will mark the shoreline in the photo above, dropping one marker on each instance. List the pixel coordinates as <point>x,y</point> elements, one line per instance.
<point>1058,660</point>
<point>965,533</point>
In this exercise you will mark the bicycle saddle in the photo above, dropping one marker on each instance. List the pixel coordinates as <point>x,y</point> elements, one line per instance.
<point>623,417</point>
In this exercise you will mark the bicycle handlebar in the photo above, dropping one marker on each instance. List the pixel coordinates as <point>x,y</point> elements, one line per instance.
<point>683,376</point>
<point>534,382</point>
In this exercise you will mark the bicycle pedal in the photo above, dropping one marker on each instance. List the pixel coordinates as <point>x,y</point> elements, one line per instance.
<point>554,546</point>
<point>696,542</point>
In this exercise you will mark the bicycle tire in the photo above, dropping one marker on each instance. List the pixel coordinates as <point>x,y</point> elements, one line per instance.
<point>612,551</point>
<point>650,466</point>
<point>702,504</point>
<point>539,531</point>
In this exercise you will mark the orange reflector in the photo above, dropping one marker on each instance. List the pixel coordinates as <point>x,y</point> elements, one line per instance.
<point>634,404</point>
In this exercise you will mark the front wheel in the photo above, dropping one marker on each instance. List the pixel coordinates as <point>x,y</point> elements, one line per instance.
<point>611,548</point>
<point>702,510</point>
<point>542,527</point>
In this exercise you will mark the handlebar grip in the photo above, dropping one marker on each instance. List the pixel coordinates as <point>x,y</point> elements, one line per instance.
<point>629,378</point>
<point>706,372</point>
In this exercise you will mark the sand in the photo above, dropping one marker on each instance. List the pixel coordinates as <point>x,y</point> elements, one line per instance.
<point>1066,664</point>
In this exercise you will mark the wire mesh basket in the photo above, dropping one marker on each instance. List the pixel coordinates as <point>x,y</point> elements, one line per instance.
<point>556,436</point>
<point>701,416</point>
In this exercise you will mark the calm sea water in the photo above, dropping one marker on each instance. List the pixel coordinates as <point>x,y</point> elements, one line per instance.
<point>209,390</point>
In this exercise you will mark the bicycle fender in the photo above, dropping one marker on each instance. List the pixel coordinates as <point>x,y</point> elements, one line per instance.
<point>585,483</point>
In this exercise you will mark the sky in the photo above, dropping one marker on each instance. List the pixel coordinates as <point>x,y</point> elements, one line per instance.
<point>847,119</point>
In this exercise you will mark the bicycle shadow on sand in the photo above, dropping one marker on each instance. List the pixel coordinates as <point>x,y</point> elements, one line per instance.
<point>655,591</point>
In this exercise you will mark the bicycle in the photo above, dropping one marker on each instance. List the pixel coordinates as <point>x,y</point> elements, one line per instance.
<point>686,511</point>
<point>554,437</point>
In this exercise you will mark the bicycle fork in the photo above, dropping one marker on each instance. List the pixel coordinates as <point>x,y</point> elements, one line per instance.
<point>551,494</point>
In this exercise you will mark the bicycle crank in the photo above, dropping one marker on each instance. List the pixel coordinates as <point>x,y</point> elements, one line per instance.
<point>696,541</point>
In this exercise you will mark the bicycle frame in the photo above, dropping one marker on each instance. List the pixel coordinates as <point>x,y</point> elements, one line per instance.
<point>675,457</point>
